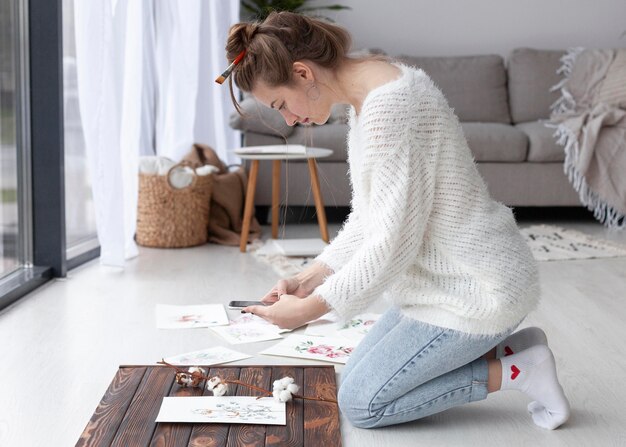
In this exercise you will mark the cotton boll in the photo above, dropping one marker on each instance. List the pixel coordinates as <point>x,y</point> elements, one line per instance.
<point>212,383</point>
<point>284,388</point>
<point>284,396</point>
<point>286,381</point>
<point>281,395</point>
<point>220,389</point>
<point>197,369</point>
<point>283,383</point>
<point>197,375</point>
<point>184,379</point>
<point>216,385</point>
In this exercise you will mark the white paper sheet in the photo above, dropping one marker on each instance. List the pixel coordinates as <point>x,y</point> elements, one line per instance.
<point>273,149</point>
<point>293,247</point>
<point>336,350</point>
<point>184,317</point>
<point>210,356</point>
<point>246,333</point>
<point>355,329</point>
<point>223,409</point>
<point>249,319</point>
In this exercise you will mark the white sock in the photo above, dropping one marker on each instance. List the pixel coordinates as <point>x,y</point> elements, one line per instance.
<point>521,340</point>
<point>533,372</point>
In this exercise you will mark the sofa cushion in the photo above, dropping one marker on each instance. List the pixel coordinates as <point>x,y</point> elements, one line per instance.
<point>339,114</point>
<point>261,119</point>
<point>475,86</point>
<point>531,75</point>
<point>496,142</point>
<point>542,146</point>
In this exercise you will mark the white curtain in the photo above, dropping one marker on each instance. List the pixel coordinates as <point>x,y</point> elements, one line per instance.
<point>213,105</point>
<point>145,83</point>
<point>177,63</point>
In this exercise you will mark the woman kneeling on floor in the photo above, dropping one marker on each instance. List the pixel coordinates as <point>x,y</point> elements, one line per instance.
<point>423,235</point>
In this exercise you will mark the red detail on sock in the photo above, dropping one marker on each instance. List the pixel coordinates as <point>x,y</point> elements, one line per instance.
<point>507,351</point>
<point>515,371</point>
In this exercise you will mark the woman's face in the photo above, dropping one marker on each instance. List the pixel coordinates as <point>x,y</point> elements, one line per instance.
<point>302,102</point>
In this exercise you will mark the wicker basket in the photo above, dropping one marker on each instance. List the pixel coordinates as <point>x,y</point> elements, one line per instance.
<point>168,217</point>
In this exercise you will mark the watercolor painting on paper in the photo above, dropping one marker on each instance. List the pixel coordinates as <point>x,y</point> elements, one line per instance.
<point>249,319</point>
<point>336,350</point>
<point>247,333</point>
<point>185,317</point>
<point>355,328</point>
<point>210,356</point>
<point>223,409</point>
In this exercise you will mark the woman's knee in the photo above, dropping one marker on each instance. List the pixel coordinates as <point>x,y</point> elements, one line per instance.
<point>355,407</point>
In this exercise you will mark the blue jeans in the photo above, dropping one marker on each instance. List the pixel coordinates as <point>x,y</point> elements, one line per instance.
<point>404,370</point>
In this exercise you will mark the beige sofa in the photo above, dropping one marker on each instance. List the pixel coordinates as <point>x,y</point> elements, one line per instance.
<point>501,109</point>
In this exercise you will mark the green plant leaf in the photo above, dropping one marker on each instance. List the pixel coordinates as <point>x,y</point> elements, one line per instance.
<point>331,7</point>
<point>262,8</point>
<point>250,8</point>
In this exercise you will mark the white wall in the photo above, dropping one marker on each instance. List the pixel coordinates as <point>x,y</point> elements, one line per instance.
<point>463,27</point>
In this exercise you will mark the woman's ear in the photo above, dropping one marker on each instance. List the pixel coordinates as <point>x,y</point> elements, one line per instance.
<point>302,72</point>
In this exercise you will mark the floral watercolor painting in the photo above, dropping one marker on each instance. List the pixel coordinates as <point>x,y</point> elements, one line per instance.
<point>223,409</point>
<point>210,356</point>
<point>249,319</point>
<point>247,333</point>
<point>361,324</point>
<point>331,352</point>
<point>336,350</point>
<point>354,329</point>
<point>185,317</point>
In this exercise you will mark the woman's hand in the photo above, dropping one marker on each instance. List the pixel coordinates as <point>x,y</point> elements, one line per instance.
<point>289,286</point>
<point>301,285</point>
<point>291,311</point>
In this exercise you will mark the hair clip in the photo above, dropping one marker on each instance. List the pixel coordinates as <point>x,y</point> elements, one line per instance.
<point>221,78</point>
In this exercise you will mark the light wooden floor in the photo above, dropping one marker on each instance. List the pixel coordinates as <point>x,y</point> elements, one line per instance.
<point>60,347</point>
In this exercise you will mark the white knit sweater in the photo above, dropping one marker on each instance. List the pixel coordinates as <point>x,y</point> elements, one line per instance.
<point>423,232</point>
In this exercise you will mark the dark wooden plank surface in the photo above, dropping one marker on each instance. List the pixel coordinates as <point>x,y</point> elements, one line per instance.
<point>321,419</point>
<point>102,427</point>
<point>250,435</point>
<point>214,435</point>
<point>126,415</point>
<point>139,423</point>
<point>292,434</point>
<point>169,434</point>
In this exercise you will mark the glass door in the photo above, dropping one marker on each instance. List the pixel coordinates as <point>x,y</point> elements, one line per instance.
<point>80,217</point>
<point>10,258</point>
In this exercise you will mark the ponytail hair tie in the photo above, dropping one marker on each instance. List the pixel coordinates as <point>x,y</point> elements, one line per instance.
<point>221,78</point>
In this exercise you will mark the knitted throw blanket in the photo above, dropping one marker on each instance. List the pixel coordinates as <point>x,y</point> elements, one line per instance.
<point>590,122</point>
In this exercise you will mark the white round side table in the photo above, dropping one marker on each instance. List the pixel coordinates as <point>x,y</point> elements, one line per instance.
<point>278,153</point>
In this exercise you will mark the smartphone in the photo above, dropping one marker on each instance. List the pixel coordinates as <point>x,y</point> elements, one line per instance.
<point>242,304</point>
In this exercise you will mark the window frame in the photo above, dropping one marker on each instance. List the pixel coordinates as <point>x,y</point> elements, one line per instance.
<point>40,146</point>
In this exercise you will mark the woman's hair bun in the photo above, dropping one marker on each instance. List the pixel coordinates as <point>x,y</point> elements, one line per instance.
<point>239,38</point>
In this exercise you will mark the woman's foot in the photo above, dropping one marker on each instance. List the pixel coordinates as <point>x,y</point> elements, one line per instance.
<point>520,340</point>
<point>533,372</point>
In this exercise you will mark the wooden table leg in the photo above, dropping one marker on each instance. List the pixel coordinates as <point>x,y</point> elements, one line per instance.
<point>275,196</point>
<point>317,195</point>
<point>247,213</point>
